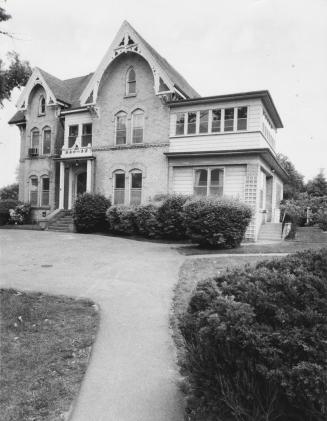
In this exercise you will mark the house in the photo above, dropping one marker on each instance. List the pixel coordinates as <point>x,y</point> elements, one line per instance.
<point>135,128</point>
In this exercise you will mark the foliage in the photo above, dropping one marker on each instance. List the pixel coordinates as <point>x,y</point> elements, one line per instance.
<point>9,192</point>
<point>294,184</point>
<point>318,185</point>
<point>121,220</point>
<point>216,222</point>
<point>171,216</point>
<point>256,342</point>
<point>322,220</point>
<point>20,214</point>
<point>146,219</point>
<point>89,212</point>
<point>5,206</point>
<point>17,72</point>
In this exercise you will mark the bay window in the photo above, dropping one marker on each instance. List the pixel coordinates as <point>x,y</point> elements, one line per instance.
<point>229,120</point>
<point>86,135</point>
<point>180,121</point>
<point>204,121</point>
<point>216,121</point>
<point>191,123</point>
<point>242,118</point>
<point>72,135</point>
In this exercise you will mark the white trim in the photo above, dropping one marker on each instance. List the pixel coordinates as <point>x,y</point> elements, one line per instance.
<point>114,51</point>
<point>209,168</point>
<point>74,111</point>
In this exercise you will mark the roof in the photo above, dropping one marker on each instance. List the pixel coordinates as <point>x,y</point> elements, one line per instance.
<point>19,117</point>
<point>263,95</point>
<point>179,81</point>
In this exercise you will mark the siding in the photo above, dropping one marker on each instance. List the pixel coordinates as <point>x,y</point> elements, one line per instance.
<point>234,180</point>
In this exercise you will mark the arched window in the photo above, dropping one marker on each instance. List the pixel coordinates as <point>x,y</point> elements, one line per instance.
<point>121,119</point>
<point>45,190</point>
<point>119,181</point>
<point>42,105</point>
<point>35,139</point>
<point>131,82</point>
<point>46,144</point>
<point>137,126</point>
<point>34,191</point>
<point>136,187</point>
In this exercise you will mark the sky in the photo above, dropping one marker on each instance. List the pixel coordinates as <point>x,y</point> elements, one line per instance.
<point>219,46</point>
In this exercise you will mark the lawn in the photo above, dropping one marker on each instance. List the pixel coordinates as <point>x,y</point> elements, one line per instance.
<point>45,345</point>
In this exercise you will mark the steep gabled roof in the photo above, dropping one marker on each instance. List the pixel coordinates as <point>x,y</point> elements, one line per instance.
<point>19,117</point>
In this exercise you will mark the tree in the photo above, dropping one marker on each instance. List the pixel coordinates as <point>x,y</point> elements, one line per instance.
<point>295,184</point>
<point>318,185</point>
<point>15,73</point>
<point>9,192</point>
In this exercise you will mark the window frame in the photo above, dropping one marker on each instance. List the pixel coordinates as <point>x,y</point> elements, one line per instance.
<point>42,105</point>
<point>34,131</point>
<point>30,190</point>
<point>115,173</point>
<point>209,169</point>
<point>44,177</point>
<point>72,136</point>
<point>130,83</point>
<point>117,116</point>
<point>86,135</point>
<point>131,188</point>
<point>137,112</point>
<point>45,130</point>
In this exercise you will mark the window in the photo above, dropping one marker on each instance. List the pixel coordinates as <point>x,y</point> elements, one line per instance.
<point>121,129</point>
<point>191,123</point>
<point>46,141</point>
<point>34,186</point>
<point>229,119</point>
<point>262,190</point>
<point>242,118</point>
<point>204,121</point>
<point>131,82</point>
<point>72,135</point>
<point>45,185</point>
<point>136,188</point>
<point>42,105</point>
<point>119,188</point>
<point>137,126</point>
<point>216,121</point>
<point>208,182</point>
<point>35,139</point>
<point>87,134</point>
<point>180,120</point>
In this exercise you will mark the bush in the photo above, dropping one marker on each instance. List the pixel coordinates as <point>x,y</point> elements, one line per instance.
<point>90,212</point>
<point>20,215</point>
<point>121,220</point>
<point>9,192</point>
<point>322,220</point>
<point>216,222</point>
<point>5,206</point>
<point>146,219</point>
<point>256,340</point>
<point>171,217</point>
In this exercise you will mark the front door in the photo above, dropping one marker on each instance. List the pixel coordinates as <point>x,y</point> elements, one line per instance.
<point>81,183</point>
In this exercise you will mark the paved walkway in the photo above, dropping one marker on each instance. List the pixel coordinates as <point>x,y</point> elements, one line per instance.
<point>132,374</point>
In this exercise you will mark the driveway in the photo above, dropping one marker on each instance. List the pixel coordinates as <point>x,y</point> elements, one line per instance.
<point>132,374</point>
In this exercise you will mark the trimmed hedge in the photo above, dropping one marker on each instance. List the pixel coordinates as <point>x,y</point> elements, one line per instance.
<point>146,219</point>
<point>89,212</point>
<point>121,220</point>
<point>256,342</point>
<point>171,216</point>
<point>216,223</point>
<point>5,206</point>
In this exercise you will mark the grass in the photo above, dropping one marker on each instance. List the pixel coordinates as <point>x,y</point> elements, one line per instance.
<point>45,345</point>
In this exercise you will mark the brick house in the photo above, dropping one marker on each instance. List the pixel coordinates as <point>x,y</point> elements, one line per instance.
<point>135,128</point>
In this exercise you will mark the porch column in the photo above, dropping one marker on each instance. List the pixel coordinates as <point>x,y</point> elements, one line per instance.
<point>89,176</point>
<point>70,188</point>
<point>62,185</point>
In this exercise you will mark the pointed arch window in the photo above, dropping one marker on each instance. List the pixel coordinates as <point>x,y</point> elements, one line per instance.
<point>121,119</point>
<point>137,126</point>
<point>131,82</point>
<point>35,139</point>
<point>42,105</point>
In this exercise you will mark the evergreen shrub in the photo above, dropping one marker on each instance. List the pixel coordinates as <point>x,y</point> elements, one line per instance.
<point>89,212</point>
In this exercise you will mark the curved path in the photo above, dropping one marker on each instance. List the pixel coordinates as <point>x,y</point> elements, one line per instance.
<point>132,374</point>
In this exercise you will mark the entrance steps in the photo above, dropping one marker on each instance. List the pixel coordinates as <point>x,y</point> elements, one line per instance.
<point>270,232</point>
<point>63,223</point>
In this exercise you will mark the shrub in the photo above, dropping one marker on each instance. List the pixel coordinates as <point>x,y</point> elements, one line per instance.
<point>121,220</point>
<point>171,216</point>
<point>322,220</point>
<point>5,206</point>
<point>256,340</point>
<point>146,219</point>
<point>216,222</point>
<point>90,212</point>
<point>20,214</point>
<point>9,192</point>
